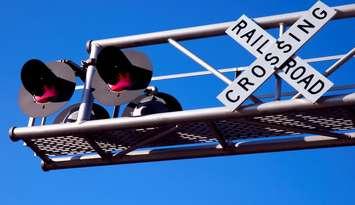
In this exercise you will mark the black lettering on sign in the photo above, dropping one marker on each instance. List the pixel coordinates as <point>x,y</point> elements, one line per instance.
<point>248,34</point>
<point>258,71</point>
<point>256,40</point>
<point>295,74</point>
<point>244,82</point>
<point>283,46</point>
<point>269,57</point>
<point>289,64</point>
<point>307,80</point>
<point>304,26</point>
<point>319,15</point>
<point>233,100</point>
<point>316,87</point>
<point>241,25</point>
<point>261,46</point>
<point>294,37</point>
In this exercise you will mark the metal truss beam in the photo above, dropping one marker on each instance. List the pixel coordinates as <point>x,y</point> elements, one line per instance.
<point>227,70</point>
<point>334,67</point>
<point>248,147</point>
<point>344,11</point>
<point>96,126</point>
<point>206,66</point>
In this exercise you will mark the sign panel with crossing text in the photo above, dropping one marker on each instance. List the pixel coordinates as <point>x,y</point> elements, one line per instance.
<point>302,76</point>
<point>272,56</point>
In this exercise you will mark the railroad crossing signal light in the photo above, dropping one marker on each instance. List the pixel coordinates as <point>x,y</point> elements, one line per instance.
<point>151,103</point>
<point>46,87</point>
<point>121,75</point>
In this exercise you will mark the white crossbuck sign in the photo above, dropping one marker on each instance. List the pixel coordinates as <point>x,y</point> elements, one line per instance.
<point>277,56</point>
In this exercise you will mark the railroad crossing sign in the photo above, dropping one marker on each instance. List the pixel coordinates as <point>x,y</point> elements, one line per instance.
<point>277,56</point>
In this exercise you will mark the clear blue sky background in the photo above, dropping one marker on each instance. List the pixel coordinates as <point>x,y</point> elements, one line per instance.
<point>51,30</point>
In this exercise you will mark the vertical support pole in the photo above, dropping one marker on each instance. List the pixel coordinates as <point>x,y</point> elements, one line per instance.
<point>87,98</point>
<point>43,120</point>
<point>116,110</point>
<point>31,121</point>
<point>277,77</point>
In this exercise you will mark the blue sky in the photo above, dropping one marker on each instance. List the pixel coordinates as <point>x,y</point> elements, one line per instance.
<point>51,30</point>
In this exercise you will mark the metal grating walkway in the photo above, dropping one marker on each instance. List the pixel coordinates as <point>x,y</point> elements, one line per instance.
<point>215,130</point>
<point>327,120</point>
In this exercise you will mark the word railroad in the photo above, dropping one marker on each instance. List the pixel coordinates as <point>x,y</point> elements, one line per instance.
<point>278,56</point>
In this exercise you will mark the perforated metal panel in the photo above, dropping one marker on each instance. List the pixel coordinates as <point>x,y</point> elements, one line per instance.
<point>64,145</point>
<point>330,119</point>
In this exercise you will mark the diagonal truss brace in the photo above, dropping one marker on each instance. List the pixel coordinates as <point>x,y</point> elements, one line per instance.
<point>146,141</point>
<point>221,139</point>
<point>334,67</point>
<point>205,65</point>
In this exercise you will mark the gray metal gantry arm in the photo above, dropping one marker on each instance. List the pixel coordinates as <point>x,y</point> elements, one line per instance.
<point>262,127</point>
